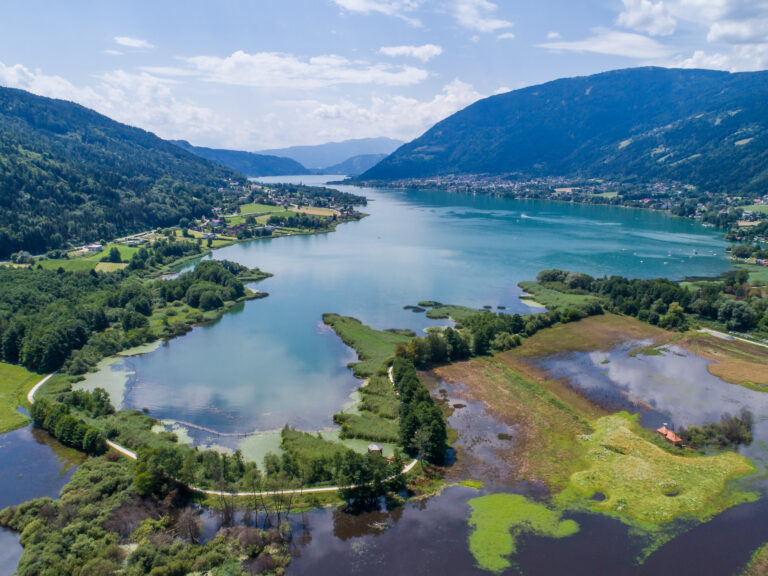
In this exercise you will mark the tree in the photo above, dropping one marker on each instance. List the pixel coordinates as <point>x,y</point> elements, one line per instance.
<point>114,255</point>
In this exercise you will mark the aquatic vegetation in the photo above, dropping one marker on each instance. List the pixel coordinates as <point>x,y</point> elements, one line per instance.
<point>499,520</point>
<point>373,347</point>
<point>758,564</point>
<point>469,483</point>
<point>647,485</point>
<point>15,382</point>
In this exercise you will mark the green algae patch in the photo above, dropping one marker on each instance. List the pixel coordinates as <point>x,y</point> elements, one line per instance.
<point>647,485</point>
<point>476,484</point>
<point>498,520</point>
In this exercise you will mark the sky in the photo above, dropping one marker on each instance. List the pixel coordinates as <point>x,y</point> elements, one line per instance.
<point>256,74</point>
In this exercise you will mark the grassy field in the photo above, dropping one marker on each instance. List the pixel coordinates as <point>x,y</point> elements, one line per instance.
<point>458,314</point>
<point>110,266</point>
<point>315,211</point>
<point>498,521</point>
<point>15,383</point>
<point>735,361</point>
<point>759,208</point>
<point>577,450</point>
<point>554,299</point>
<point>758,275</point>
<point>248,209</point>
<point>373,347</point>
<point>91,260</point>
<point>593,333</point>
<point>642,482</point>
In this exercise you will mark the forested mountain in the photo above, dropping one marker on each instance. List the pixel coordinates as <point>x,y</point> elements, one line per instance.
<point>71,175</point>
<point>247,163</point>
<point>355,165</point>
<point>702,127</point>
<point>320,156</point>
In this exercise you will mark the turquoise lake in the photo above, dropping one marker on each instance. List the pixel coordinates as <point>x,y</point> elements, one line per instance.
<point>272,362</point>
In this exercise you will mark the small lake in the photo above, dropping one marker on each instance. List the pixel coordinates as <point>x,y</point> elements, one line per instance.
<point>272,361</point>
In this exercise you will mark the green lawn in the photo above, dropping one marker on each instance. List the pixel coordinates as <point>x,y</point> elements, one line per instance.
<point>90,260</point>
<point>247,209</point>
<point>373,347</point>
<point>760,208</point>
<point>15,383</point>
<point>757,274</point>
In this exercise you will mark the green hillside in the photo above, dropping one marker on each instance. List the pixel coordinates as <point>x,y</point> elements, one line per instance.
<point>247,163</point>
<point>699,127</point>
<point>69,175</point>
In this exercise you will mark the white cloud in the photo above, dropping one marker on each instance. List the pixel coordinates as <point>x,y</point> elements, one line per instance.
<point>423,53</point>
<point>753,31</point>
<point>478,15</point>
<point>129,42</point>
<point>397,8</point>
<point>394,116</point>
<point>506,36</point>
<point>611,42</point>
<point>744,58</point>
<point>276,70</point>
<point>137,99</point>
<point>554,36</point>
<point>646,16</point>
<point>113,52</point>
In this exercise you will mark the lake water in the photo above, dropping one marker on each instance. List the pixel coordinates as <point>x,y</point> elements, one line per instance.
<point>32,465</point>
<point>272,362</point>
<point>673,388</point>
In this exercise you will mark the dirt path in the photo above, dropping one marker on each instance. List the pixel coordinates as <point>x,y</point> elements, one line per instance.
<point>724,336</point>
<point>133,456</point>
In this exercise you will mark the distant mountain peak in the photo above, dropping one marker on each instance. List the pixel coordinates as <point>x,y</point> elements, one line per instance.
<point>321,156</point>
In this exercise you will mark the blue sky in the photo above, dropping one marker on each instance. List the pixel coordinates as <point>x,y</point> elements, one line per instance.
<point>253,74</point>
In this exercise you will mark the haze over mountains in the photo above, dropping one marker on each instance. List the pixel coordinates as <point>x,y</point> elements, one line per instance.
<point>322,156</point>
<point>700,127</point>
<point>348,158</point>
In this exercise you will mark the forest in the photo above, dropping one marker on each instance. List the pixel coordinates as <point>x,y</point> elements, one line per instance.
<point>70,176</point>
<point>53,319</point>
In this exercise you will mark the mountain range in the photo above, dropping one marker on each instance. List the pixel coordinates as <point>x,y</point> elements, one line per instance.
<point>70,175</point>
<point>700,127</point>
<point>248,163</point>
<point>321,156</point>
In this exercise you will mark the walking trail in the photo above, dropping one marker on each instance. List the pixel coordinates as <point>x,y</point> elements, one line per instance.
<point>133,456</point>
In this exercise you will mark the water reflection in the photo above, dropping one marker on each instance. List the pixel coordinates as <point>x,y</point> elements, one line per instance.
<point>32,465</point>
<point>673,387</point>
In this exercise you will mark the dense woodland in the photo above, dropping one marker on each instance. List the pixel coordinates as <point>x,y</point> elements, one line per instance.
<point>69,176</point>
<point>732,302</point>
<point>52,319</point>
<point>102,525</point>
